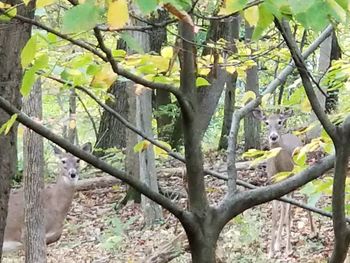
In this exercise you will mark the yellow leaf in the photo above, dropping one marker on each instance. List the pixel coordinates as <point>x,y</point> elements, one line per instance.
<point>118,14</point>
<point>43,3</point>
<point>72,124</point>
<point>231,69</point>
<point>252,15</point>
<point>305,105</point>
<point>203,71</point>
<point>3,5</point>
<point>141,146</point>
<point>160,152</point>
<point>249,95</point>
<point>167,52</point>
<point>104,78</point>
<point>26,2</point>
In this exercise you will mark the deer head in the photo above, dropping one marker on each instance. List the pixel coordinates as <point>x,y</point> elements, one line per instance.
<point>69,164</point>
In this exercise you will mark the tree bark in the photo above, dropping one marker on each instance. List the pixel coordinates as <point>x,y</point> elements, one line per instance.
<point>111,132</point>
<point>332,99</point>
<point>13,37</point>
<point>33,156</point>
<point>252,127</point>
<point>142,163</point>
<point>230,90</point>
<point>72,123</point>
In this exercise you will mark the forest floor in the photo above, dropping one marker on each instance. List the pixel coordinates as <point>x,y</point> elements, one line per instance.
<point>96,232</point>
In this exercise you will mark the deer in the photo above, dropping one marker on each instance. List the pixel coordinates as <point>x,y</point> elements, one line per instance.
<point>57,200</point>
<point>282,162</point>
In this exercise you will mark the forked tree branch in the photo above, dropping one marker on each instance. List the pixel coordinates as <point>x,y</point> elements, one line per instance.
<point>91,159</point>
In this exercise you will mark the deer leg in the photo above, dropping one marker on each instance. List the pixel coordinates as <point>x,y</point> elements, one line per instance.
<point>273,228</point>
<point>280,226</point>
<point>312,227</point>
<point>288,228</point>
<point>53,236</point>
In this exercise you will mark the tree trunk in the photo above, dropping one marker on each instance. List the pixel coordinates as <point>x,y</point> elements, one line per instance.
<point>332,99</point>
<point>230,90</point>
<point>323,65</point>
<point>72,124</point>
<point>33,156</point>
<point>111,132</point>
<point>252,126</point>
<point>157,37</point>
<point>152,210</point>
<point>140,114</point>
<point>13,37</point>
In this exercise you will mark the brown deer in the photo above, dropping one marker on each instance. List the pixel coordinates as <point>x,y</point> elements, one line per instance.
<point>57,202</point>
<point>282,162</point>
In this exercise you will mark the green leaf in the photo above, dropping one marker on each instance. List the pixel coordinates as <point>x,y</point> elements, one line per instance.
<point>232,6</point>
<point>200,82</point>
<point>265,19</point>
<point>41,62</point>
<point>81,18</point>
<point>28,52</point>
<point>81,60</point>
<point>7,125</point>
<point>132,43</point>
<point>28,81</point>
<point>147,6</point>
<point>9,14</point>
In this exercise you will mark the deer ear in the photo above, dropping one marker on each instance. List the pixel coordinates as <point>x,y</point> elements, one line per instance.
<point>87,147</point>
<point>286,114</point>
<point>259,114</point>
<point>56,150</point>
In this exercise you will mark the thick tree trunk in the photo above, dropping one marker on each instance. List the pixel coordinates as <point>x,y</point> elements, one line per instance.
<point>111,132</point>
<point>33,156</point>
<point>142,164</point>
<point>152,210</point>
<point>251,125</point>
<point>13,37</point>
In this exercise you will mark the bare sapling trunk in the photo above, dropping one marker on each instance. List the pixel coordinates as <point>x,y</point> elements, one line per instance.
<point>33,173</point>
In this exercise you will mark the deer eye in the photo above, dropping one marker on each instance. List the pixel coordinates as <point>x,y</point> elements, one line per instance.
<point>78,160</point>
<point>63,161</point>
<point>267,122</point>
<point>279,122</point>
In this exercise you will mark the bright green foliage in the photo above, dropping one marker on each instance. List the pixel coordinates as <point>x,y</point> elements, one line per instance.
<point>5,128</point>
<point>81,17</point>
<point>232,6</point>
<point>201,82</point>
<point>28,52</point>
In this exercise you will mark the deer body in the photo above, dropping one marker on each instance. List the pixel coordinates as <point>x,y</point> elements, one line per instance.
<point>57,200</point>
<point>282,162</point>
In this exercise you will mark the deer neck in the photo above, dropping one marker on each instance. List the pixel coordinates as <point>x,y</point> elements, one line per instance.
<point>63,194</point>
